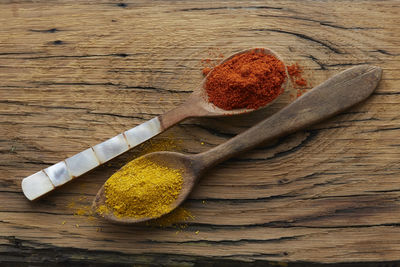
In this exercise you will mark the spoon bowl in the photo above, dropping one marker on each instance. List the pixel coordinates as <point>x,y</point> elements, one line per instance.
<point>198,104</point>
<point>201,98</point>
<point>337,94</point>
<point>172,160</point>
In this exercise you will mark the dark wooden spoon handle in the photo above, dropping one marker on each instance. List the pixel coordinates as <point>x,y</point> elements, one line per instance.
<point>327,99</point>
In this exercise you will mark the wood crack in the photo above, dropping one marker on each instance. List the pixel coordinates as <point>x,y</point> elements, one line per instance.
<point>119,86</point>
<point>324,66</point>
<point>18,53</point>
<point>228,8</point>
<point>381,130</point>
<point>288,225</point>
<point>382,51</point>
<point>40,106</point>
<point>321,22</point>
<point>305,37</point>
<point>229,242</point>
<point>115,115</point>
<point>123,55</point>
<point>44,252</point>
<point>52,30</point>
<point>242,200</point>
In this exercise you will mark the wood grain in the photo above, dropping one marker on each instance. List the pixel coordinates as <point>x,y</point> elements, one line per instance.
<point>73,74</point>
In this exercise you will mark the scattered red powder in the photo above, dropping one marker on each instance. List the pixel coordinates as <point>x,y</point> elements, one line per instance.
<point>249,80</point>
<point>206,61</point>
<point>300,92</point>
<point>301,82</point>
<point>295,73</point>
<point>208,64</point>
<point>294,70</point>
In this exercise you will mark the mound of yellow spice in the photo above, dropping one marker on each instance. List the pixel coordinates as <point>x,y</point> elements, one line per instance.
<point>142,188</point>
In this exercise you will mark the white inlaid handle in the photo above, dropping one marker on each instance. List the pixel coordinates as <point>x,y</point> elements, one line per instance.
<point>46,180</point>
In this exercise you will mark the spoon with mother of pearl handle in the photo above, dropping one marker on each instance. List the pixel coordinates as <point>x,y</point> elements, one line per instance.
<point>196,105</point>
<point>329,98</point>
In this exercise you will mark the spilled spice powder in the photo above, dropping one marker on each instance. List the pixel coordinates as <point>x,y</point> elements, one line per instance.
<point>208,64</point>
<point>295,73</point>
<point>298,81</point>
<point>177,218</point>
<point>82,210</point>
<point>249,80</point>
<point>206,61</point>
<point>154,145</point>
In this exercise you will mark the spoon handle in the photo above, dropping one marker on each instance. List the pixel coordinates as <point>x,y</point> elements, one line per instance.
<point>327,99</point>
<point>46,180</point>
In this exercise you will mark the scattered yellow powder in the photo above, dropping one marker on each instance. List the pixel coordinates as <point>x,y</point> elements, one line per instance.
<point>91,217</point>
<point>82,211</point>
<point>150,146</point>
<point>142,188</point>
<point>177,217</point>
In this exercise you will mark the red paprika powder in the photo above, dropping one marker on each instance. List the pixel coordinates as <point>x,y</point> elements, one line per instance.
<point>295,73</point>
<point>249,80</point>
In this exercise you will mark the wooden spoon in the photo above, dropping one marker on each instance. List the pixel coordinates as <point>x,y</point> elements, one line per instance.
<point>331,97</point>
<point>197,105</point>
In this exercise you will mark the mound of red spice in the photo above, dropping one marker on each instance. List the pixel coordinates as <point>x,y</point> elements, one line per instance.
<point>249,80</point>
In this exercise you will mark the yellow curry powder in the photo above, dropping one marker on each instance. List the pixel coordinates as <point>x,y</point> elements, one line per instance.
<point>175,218</point>
<point>142,188</point>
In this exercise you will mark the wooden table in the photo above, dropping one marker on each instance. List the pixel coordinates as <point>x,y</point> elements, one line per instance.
<point>73,74</point>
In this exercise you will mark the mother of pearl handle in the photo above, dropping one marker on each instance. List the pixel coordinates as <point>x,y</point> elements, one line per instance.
<point>44,181</point>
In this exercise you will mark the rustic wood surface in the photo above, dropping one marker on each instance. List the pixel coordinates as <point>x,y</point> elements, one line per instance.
<point>74,73</point>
